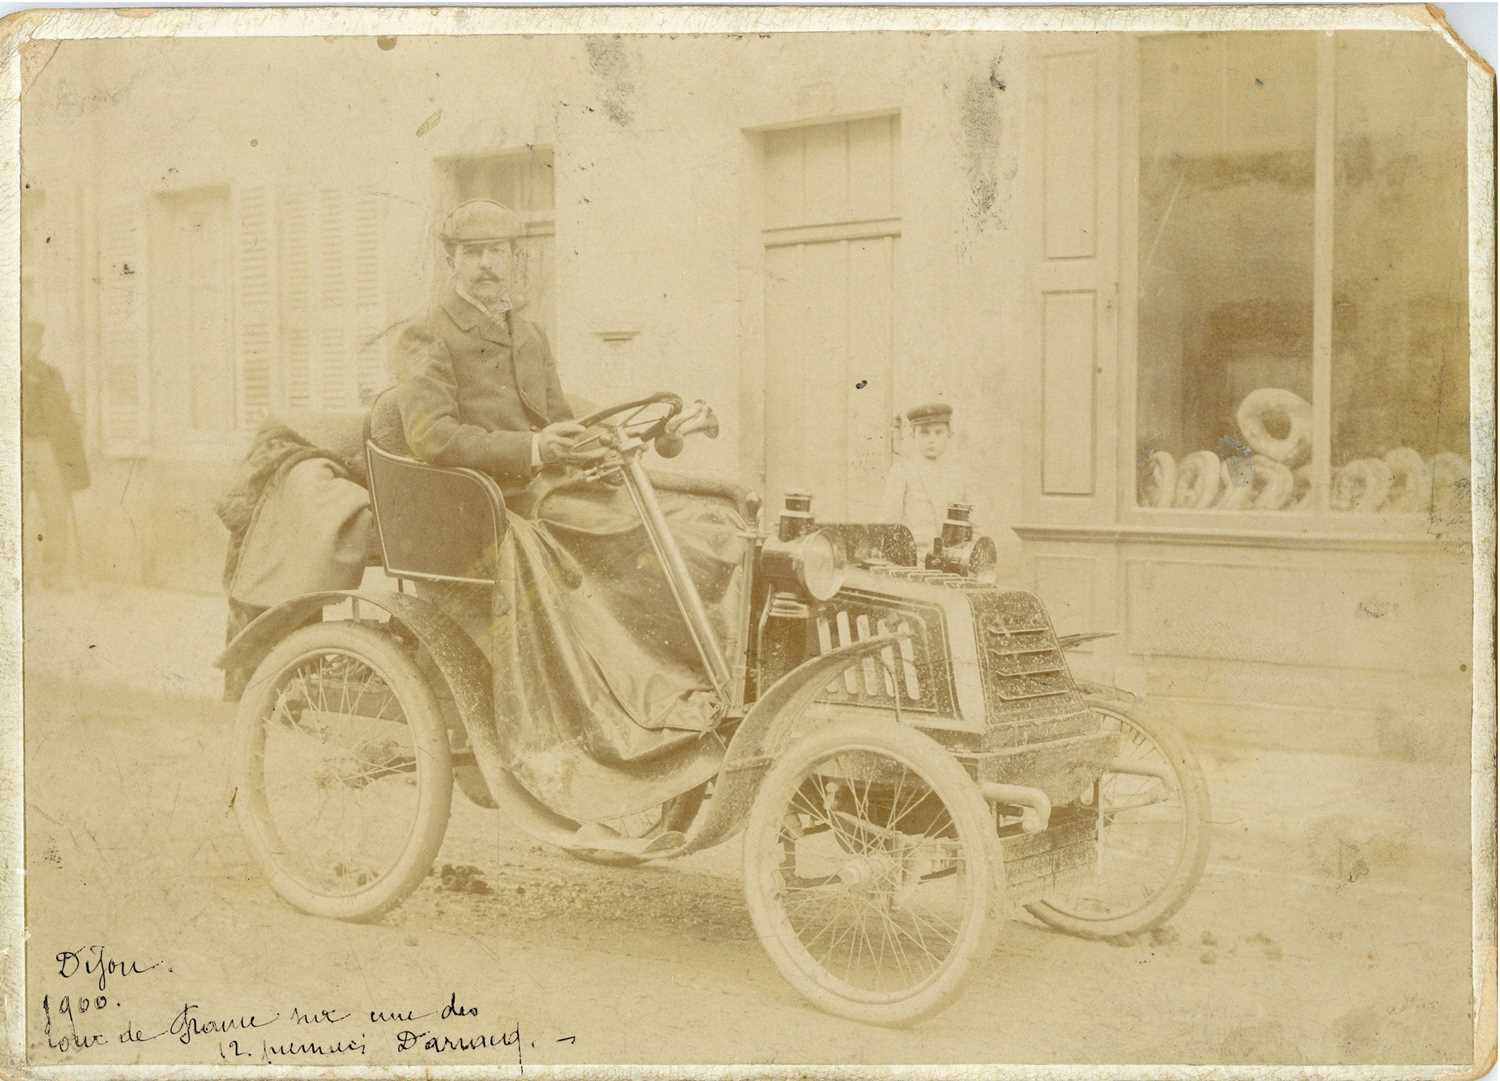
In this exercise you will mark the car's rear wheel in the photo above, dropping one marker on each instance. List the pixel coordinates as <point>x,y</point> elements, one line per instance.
<point>1153,814</point>
<point>343,776</point>
<point>872,871</point>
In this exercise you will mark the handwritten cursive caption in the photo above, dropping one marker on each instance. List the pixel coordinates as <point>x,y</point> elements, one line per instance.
<point>88,1009</point>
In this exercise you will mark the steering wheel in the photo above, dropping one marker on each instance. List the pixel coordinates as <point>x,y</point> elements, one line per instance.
<point>671,401</point>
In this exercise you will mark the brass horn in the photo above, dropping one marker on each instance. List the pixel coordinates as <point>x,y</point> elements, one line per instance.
<point>698,417</point>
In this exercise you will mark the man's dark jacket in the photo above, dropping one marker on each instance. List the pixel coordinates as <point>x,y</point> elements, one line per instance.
<point>47,413</point>
<point>475,387</point>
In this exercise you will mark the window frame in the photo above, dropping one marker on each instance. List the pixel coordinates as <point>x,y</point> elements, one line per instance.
<point>1320,520</point>
<point>539,225</point>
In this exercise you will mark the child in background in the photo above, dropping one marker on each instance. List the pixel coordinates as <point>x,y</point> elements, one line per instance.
<point>922,484</point>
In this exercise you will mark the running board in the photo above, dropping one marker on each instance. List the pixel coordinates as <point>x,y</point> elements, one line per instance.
<point>593,839</point>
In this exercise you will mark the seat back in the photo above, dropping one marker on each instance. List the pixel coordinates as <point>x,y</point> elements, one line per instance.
<point>435,523</point>
<point>383,424</point>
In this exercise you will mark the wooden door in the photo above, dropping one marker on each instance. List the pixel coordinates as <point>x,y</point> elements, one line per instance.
<point>830,234</point>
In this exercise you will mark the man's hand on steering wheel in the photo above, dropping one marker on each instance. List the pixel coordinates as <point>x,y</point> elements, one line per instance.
<point>555,445</point>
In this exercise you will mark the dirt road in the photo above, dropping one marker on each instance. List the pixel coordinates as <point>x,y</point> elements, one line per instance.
<point>132,848</point>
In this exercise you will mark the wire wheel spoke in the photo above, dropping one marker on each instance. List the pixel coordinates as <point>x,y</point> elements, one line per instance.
<point>337,764</point>
<point>872,887</point>
<point>1149,813</point>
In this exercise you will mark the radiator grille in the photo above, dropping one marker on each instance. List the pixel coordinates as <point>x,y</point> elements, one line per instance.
<point>912,674</point>
<point>1021,659</point>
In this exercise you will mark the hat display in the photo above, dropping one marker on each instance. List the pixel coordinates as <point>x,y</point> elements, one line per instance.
<point>931,413</point>
<point>478,221</point>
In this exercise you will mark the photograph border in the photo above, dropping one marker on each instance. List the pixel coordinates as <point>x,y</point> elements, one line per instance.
<point>31,28</point>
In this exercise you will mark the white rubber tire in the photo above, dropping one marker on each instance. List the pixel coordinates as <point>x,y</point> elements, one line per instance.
<point>1361,486</point>
<point>1274,484</point>
<point>1198,480</point>
<point>1450,479</point>
<point>1447,467</point>
<point>434,770</point>
<point>974,824</point>
<point>1158,908</point>
<point>1161,488</point>
<point>1259,406</point>
<point>1235,480</point>
<point>1302,488</point>
<point>1411,481</point>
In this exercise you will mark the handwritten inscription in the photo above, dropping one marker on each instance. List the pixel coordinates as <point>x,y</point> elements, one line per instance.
<point>319,1017</point>
<point>406,1040</point>
<point>188,1024</point>
<point>90,1013</point>
<point>93,961</point>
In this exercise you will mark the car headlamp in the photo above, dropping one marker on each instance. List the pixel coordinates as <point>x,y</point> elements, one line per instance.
<point>976,559</point>
<point>814,561</point>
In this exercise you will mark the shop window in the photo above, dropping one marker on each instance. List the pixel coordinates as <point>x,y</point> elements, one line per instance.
<point>1400,365</point>
<point>1302,343</point>
<point>523,181</point>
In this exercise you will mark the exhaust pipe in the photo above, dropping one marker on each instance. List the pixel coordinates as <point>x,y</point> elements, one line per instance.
<point>1036,808</point>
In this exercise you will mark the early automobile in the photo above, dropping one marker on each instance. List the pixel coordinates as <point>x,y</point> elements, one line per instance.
<point>897,736</point>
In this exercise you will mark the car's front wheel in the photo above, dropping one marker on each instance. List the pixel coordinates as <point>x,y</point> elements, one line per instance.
<point>872,871</point>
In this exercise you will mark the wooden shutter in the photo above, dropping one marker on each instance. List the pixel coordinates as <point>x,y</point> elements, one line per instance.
<point>293,229</point>
<point>369,345</point>
<point>256,315</point>
<point>122,332</point>
<point>1072,134</point>
<point>332,362</point>
<point>333,345</point>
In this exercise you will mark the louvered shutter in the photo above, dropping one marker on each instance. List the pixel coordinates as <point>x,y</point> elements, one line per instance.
<point>331,312</point>
<point>256,329</point>
<point>369,347</point>
<point>122,334</point>
<point>294,229</point>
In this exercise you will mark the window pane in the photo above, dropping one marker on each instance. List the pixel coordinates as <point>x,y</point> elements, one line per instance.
<point>1400,409</point>
<point>1227,124</point>
<point>523,181</point>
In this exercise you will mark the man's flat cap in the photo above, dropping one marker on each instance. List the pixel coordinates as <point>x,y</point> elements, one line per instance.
<point>480,221</point>
<point>931,413</point>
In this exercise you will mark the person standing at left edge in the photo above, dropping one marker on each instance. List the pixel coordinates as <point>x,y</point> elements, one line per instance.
<point>53,465</point>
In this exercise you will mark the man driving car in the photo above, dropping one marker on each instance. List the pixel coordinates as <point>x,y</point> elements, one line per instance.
<point>479,386</point>
<point>571,608</point>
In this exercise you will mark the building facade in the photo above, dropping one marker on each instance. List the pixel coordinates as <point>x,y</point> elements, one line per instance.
<point>1094,246</point>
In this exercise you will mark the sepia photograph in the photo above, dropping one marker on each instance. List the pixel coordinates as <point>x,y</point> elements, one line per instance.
<point>749,541</point>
